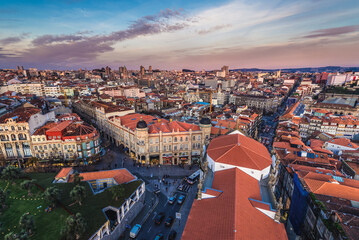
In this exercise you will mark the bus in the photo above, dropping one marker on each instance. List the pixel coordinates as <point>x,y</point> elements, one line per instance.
<point>194,177</point>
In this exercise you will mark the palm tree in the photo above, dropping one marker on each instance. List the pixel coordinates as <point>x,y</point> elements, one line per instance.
<point>77,178</point>
<point>117,191</point>
<point>75,227</point>
<point>11,172</point>
<point>27,184</point>
<point>78,194</point>
<point>27,223</point>
<point>51,195</point>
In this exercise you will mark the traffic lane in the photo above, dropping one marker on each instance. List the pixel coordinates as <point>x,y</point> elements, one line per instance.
<point>149,229</point>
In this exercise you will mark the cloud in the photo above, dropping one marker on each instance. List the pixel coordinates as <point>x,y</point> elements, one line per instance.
<point>9,40</point>
<point>332,32</point>
<point>79,47</point>
<point>214,29</point>
<point>47,39</point>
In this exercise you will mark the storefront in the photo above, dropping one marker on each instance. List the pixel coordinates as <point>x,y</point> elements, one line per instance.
<point>167,159</point>
<point>155,159</point>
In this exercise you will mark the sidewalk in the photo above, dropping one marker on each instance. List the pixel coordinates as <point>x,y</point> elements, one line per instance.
<point>179,224</point>
<point>151,201</point>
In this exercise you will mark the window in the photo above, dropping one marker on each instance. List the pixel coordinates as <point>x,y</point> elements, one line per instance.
<point>38,139</point>
<point>35,147</point>
<point>164,140</point>
<point>175,147</point>
<point>181,139</point>
<point>151,149</point>
<point>40,147</point>
<point>175,140</point>
<point>49,137</point>
<point>186,139</point>
<point>5,128</point>
<point>45,147</point>
<point>169,148</point>
<point>199,137</point>
<point>19,128</point>
<point>194,138</point>
<point>12,128</point>
<point>65,146</point>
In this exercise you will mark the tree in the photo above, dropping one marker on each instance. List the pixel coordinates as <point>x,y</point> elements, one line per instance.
<point>27,184</point>
<point>2,198</point>
<point>78,193</point>
<point>75,227</point>
<point>11,172</point>
<point>77,178</point>
<point>51,195</point>
<point>16,236</point>
<point>27,223</point>
<point>117,191</point>
<point>10,236</point>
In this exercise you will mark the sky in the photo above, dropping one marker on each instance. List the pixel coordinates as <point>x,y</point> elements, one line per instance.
<point>173,34</point>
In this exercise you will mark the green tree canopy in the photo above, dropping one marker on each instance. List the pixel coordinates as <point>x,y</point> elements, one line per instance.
<point>27,185</point>
<point>11,172</point>
<point>75,227</point>
<point>78,194</point>
<point>51,195</point>
<point>27,223</point>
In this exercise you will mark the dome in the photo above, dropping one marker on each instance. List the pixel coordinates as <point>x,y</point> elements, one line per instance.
<point>141,124</point>
<point>205,121</point>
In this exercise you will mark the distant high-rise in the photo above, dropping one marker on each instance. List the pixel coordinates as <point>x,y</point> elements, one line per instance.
<point>22,68</point>
<point>142,70</point>
<point>108,71</point>
<point>150,68</point>
<point>226,70</point>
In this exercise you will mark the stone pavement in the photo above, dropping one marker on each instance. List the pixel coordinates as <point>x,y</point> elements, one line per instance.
<point>114,158</point>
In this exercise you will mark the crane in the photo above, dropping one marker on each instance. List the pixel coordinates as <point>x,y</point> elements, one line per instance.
<point>65,96</point>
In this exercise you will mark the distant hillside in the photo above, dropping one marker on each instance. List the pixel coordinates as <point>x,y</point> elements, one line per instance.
<point>308,69</point>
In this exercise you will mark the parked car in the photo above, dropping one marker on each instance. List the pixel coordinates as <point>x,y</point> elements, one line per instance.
<point>159,236</point>
<point>181,199</point>
<point>159,218</point>
<point>169,221</point>
<point>180,187</point>
<point>172,199</point>
<point>135,230</point>
<point>172,235</point>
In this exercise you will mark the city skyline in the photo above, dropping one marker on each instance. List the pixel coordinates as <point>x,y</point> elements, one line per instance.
<point>74,34</point>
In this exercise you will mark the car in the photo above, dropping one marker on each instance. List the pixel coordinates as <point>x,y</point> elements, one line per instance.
<point>181,199</point>
<point>159,218</point>
<point>135,230</point>
<point>180,187</point>
<point>159,236</point>
<point>172,235</point>
<point>172,199</point>
<point>169,221</point>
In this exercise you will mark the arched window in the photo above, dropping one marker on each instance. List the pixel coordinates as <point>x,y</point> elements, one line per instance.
<point>175,139</point>
<point>13,137</point>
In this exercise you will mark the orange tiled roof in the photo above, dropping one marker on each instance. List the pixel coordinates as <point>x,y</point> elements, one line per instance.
<point>333,189</point>
<point>64,172</point>
<point>120,175</point>
<point>239,150</point>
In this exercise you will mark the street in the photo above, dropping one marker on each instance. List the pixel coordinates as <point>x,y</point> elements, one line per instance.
<point>149,229</point>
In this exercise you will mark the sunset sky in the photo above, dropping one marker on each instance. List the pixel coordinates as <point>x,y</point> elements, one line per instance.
<point>170,34</point>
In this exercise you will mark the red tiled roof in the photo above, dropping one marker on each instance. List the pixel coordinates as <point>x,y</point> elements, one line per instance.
<point>120,175</point>
<point>333,189</point>
<point>231,215</point>
<point>64,172</point>
<point>239,150</point>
